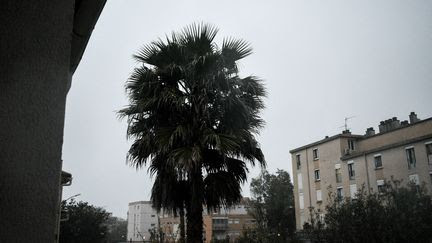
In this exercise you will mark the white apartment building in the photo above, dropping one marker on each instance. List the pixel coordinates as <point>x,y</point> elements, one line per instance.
<point>141,219</point>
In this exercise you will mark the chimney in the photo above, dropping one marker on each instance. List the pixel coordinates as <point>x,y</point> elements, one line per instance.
<point>382,127</point>
<point>346,131</point>
<point>370,132</point>
<point>395,123</point>
<point>413,118</point>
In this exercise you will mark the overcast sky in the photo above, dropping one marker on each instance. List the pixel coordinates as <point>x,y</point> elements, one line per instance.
<point>321,61</point>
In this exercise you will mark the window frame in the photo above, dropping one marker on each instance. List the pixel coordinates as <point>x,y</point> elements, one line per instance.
<point>353,191</point>
<point>340,189</point>
<point>338,178</point>
<point>315,154</point>
<point>351,170</point>
<point>317,178</point>
<point>298,161</point>
<point>351,145</point>
<point>429,153</point>
<point>375,161</point>
<point>319,198</point>
<point>301,201</point>
<point>300,181</point>
<point>411,158</point>
<point>380,186</point>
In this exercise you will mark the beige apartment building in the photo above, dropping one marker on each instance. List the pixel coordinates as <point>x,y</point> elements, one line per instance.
<point>228,223</point>
<point>347,162</point>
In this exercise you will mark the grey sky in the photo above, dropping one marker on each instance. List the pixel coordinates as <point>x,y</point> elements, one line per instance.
<point>321,61</point>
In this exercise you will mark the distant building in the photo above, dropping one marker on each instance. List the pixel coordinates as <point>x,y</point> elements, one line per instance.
<point>346,162</point>
<point>227,223</point>
<point>142,218</point>
<point>220,225</point>
<point>169,226</point>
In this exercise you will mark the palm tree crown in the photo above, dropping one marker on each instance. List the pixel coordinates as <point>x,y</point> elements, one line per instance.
<point>194,121</point>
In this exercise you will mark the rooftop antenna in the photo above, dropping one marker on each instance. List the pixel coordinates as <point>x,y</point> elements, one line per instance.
<point>346,122</point>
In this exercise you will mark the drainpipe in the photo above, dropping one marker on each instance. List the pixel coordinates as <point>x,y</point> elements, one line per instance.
<point>367,173</point>
<point>309,185</point>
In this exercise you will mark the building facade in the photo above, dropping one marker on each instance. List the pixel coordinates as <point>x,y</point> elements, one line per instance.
<point>227,223</point>
<point>41,45</point>
<point>345,163</point>
<point>170,228</point>
<point>142,219</point>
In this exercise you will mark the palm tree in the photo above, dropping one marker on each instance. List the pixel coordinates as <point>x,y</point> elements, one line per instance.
<point>194,120</point>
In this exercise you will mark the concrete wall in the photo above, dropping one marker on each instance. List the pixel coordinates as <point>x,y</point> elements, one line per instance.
<point>395,165</point>
<point>35,47</point>
<point>329,155</point>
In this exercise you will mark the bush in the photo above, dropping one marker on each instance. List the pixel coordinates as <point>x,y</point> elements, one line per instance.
<point>396,214</point>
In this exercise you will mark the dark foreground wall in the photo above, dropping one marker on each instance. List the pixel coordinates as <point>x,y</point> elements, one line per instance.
<point>35,48</point>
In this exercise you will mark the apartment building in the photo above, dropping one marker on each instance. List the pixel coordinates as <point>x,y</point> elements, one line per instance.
<point>141,219</point>
<point>170,227</point>
<point>346,162</point>
<point>227,223</point>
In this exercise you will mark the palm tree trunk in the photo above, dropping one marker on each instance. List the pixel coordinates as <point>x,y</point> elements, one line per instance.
<point>195,208</point>
<point>182,226</point>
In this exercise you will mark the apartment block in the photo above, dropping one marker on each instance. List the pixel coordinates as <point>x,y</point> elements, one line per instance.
<point>346,162</point>
<point>141,219</point>
<point>170,228</point>
<point>227,223</point>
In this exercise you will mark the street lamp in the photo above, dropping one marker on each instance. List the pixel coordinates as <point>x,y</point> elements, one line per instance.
<point>76,195</point>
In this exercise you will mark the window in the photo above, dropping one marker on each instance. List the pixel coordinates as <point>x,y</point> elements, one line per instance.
<point>315,154</point>
<point>317,175</point>
<point>410,157</point>
<point>430,175</point>
<point>351,144</point>
<point>380,185</point>
<point>351,171</point>
<point>429,152</point>
<point>298,161</point>
<point>353,191</point>
<point>378,161</point>
<point>300,181</point>
<point>339,192</point>
<point>319,195</point>
<point>153,216</point>
<point>152,225</point>
<point>301,201</point>
<point>338,173</point>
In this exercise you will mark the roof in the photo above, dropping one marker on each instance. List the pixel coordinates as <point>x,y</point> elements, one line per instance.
<point>139,202</point>
<point>85,17</point>
<point>325,140</point>
<point>363,137</point>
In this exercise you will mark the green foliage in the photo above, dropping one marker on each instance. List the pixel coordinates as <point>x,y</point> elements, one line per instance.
<point>272,207</point>
<point>396,214</point>
<point>193,120</point>
<point>117,230</point>
<point>86,223</point>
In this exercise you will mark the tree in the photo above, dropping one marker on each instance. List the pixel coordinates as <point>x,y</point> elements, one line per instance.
<point>273,207</point>
<point>85,223</point>
<point>117,230</point>
<point>395,214</point>
<point>192,115</point>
